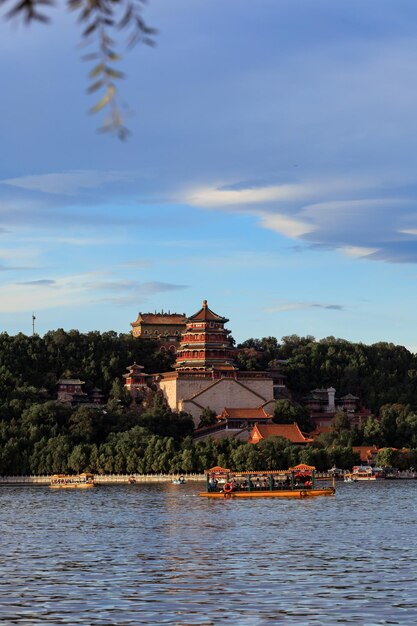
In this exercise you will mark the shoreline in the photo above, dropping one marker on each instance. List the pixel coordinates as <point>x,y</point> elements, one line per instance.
<point>109,479</point>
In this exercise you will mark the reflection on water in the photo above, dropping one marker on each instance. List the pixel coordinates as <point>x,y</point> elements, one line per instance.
<point>159,554</point>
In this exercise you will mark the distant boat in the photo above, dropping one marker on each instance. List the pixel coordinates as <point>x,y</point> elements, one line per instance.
<point>362,473</point>
<point>63,481</point>
<point>179,481</point>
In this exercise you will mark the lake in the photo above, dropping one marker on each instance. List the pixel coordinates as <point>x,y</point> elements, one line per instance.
<point>159,554</point>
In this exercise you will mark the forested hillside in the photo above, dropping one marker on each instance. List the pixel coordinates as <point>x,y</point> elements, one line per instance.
<point>379,374</point>
<point>39,435</point>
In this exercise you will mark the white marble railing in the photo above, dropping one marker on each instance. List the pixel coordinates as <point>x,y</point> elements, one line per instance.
<point>101,480</point>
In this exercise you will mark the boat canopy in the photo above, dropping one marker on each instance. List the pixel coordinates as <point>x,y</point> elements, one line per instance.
<point>301,469</point>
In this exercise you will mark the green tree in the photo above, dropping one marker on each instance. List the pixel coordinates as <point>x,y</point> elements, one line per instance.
<point>207,418</point>
<point>288,411</point>
<point>79,459</point>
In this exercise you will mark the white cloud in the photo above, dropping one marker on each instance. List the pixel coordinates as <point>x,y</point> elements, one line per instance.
<point>357,251</point>
<point>219,196</point>
<point>287,226</point>
<point>409,231</point>
<point>351,214</point>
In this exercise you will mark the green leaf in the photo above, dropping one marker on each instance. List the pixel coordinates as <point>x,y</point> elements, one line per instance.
<point>113,73</point>
<point>95,86</point>
<point>108,96</point>
<point>98,69</point>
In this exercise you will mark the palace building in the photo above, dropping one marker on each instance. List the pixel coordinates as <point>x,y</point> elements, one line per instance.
<point>165,327</point>
<point>205,372</point>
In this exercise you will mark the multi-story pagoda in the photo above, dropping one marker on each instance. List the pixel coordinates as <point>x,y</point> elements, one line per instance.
<point>205,344</point>
<point>205,374</point>
<point>136,379</point>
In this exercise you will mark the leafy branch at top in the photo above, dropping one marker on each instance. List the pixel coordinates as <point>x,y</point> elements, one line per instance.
<point>101,21</point>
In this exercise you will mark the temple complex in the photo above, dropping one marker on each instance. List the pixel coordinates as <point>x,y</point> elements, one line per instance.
<point>205,372</point>
<point>323,404</point>
<point>70,391</point>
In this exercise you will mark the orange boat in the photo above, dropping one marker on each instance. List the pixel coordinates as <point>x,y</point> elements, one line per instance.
<point>63,481</point>
<point>297,482</point>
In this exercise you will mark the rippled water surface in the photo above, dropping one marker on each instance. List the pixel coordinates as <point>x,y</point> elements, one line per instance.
<point>159,554</point>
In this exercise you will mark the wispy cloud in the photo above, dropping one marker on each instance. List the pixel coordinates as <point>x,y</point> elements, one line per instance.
<point>347,214</point>
<point>77,290</point>
<point>68,183</point>
<point>283,306</point>
<point>43,282</point>
<point>224,196</point>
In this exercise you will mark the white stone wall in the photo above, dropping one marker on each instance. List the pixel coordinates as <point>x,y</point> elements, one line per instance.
<point>226,393</point>
<point>194,395</point>
<point>169,389</point>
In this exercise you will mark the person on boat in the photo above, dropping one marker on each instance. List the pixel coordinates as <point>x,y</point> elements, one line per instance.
<point>213,483</point>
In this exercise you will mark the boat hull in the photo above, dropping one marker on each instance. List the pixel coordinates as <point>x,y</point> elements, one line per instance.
<point>297,493</point>
<point>72,486</point>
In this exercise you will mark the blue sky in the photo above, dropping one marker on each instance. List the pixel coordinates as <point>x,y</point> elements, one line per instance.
<point>271,169</point>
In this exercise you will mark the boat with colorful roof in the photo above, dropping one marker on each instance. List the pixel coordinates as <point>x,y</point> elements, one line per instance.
<point>297,482</point>
<point>362,473</point>
<point>63,481</point>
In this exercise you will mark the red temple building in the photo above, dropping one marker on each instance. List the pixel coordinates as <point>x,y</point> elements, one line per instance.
<point>206,345</point>
<point>291,432</point>
<point>205,372</point>
<point>70,390</point>
<point>135,379</point>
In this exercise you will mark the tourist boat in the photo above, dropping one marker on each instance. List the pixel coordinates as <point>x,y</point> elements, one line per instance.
<point>349,478</point>
<point>179,481</point>
<point>297,482</point>
<point>81,481</point>
<point>361,473</point>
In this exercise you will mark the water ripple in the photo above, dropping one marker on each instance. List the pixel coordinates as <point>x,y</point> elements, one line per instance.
<point>158,554</point>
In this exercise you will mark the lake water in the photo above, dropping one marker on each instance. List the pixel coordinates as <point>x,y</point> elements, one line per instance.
<point>159,554</point>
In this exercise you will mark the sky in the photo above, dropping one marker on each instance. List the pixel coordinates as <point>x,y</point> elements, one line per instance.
<point>271,169</point>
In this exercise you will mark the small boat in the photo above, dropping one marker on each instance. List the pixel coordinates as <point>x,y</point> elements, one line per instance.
<point>297,482</point>
<point>350,479</point>
<point>179,481</point>
<point>63,481</point>
<point>361,473</point>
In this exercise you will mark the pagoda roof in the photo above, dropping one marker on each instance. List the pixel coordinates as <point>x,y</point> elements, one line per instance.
<point>349,396</point>
<point>160,318</point>
<point>207,315</point>
<point>70,381</point>
<point>286,431</point>
<point>135,366</point>
<point>249,413</point>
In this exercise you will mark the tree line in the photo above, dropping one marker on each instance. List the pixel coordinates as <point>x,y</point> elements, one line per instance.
<point>379,374</point>
<point>41,436</point>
